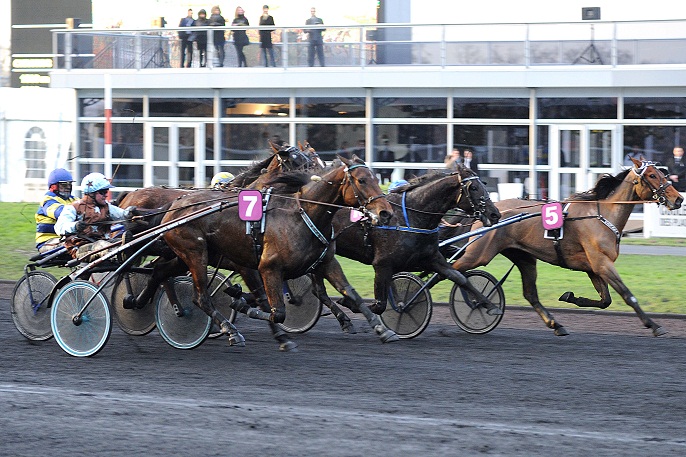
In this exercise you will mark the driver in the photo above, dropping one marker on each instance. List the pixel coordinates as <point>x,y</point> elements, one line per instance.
<point>86,222</point>
<point>58,195</point>
<point>222,180</point>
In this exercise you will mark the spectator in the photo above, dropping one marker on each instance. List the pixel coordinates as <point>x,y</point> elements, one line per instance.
<point>86,222</point>
<point>452,160</point>
<point>186,40</point>
<point>315,39</point>
<point>217,20</point>
<point>385,155</point>
<point>470,161</point>
<point>201,37</point>
<point>266,36</point>
<point>240,38</point>
<point>677,169</point>
<point>360,149</point>
<point>54,200</point>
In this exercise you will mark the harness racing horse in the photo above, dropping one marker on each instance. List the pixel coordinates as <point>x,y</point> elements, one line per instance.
<point>296,238</point>
<point>588,241</point>
<point>411,242</point>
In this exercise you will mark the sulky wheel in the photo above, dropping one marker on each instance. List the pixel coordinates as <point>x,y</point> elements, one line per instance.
<point>182,324</point>
<point>29,305</point>
<point>86,335</point>
<point>407,319</point>
<point>463,308</point>
<point>132,321</point>
<point>220,300</point>
<point>303,308</point>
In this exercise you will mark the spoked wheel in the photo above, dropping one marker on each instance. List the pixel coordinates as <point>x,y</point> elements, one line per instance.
<point>464,309</point>
<point>132,321</point>
<point>29,305</point>
<point>220,300</point>
<point>303,308</point>
<point>407,318</point>
<point>182,324</point>
<point>87,335</point>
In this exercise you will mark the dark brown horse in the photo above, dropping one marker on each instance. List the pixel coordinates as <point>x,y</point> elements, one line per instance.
<point>410,241</point>
<point>295,240</point>
<point>589,240</point>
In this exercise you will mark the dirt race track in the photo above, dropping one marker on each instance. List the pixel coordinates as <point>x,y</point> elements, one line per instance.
<point>610,388</point>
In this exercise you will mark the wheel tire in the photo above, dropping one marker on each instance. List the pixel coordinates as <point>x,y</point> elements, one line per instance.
<point>132,321</point>
<point>476,320</point>
<point>220,300</point>
<point>407,322</point>
<point>33,324</point>
<point>182,332</point>
<point>90,336</point>
<point>303,309</point>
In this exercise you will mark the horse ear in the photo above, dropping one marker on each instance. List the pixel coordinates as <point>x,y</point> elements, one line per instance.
<point>637,162</point>
<point>344,160</point>
<point>300,146</point>
<point>273,147</point>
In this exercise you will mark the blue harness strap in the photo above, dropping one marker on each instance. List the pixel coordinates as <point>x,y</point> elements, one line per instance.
<point>407,227</point>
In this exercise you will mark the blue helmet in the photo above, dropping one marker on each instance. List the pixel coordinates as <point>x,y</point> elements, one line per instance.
<point>59,175</point>
<point>397,183</point>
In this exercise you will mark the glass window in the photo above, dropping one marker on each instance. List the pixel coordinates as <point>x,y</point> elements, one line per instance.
<point>652,142</point>
<point>121,107</point>
<point>331,139</point>
<point>128,176</point>
<point>496,144</point>
<point>34,153</point>
<point>255,107</point>
<point>160,143</point>
<point>577,108</point>
<point>330,107</point>
<point>92,140</point>
<point>655,108</point>
<point>127,141</point>
<point>249,141</point>
<point>434,107</point>
<point>183,107</point>
<point>411,143</point>
<point>493,108</point>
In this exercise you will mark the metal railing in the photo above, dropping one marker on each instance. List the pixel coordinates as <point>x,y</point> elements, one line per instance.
<point>447,45</point>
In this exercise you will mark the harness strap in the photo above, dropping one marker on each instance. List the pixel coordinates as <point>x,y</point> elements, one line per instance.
<point>316,232</point>
<point>407,227</point>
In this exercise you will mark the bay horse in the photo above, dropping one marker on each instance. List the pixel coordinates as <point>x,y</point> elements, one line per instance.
<point>410,242</point>
<point>296,238</point>
<point>589,242</point>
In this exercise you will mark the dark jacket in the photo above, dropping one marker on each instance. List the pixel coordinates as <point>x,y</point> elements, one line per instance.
<point>315,35</point>
<point>266,35</point>
<point>186,22</point>
<point>679,169</point>
<point>240,38</point>
<point>218,20</point>
<point>201,37</point>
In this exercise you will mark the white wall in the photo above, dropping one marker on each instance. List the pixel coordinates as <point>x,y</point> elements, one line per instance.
<point>51,110</point>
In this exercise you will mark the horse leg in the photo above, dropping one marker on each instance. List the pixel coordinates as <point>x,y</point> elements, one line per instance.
<point>319,289</point>
<point>254,282</point>
<point>332,271</point>
<point>609,273</point>
<point>526,264</point>
<point>582,302</point>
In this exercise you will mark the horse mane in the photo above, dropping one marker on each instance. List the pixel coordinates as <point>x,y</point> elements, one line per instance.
<point>605,185</point>
<point>432,176</point>
<point>253,172</point>
<point>121,197</point>
<point>289,182</point>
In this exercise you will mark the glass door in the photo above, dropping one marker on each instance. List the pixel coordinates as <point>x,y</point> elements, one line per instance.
<point>173,153</point>
<point>579,154</point>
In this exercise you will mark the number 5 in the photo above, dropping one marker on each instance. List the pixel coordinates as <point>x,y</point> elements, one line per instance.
<point>551,215</point>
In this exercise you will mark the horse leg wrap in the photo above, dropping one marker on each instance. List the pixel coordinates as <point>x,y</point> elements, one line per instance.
<point>255,313</point>
<point>276,316</point>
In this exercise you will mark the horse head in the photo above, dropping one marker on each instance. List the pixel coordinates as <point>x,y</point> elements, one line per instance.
<point>651,184</point>
<point>360,188</point>
<point>474,198</point>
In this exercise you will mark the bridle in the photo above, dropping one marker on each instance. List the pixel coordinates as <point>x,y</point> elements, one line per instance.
<point>478,208</point>
<point>361,200</point>
<point>659,193</point>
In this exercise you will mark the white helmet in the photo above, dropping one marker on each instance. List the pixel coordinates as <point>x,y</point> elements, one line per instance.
<point>94,182</point>
<point>221,179</point>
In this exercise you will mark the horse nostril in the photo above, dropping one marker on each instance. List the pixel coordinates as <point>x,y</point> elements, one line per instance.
<point>385,216</point>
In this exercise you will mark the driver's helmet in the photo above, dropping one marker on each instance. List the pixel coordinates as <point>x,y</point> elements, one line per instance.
<point>59,175</point>
<point>94,182</point>
<point>397,183</point>
<point>221,179</point>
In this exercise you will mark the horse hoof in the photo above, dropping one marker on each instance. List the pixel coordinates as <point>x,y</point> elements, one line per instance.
<point>659,331</point>
<point>561,331</point>
<point>236,339</point>
<point>495,311</point>
<point>348,328</point>
<point>377,308</point>
<point>567,297</point>
<point>386,335</point>
<point>288,346</point>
